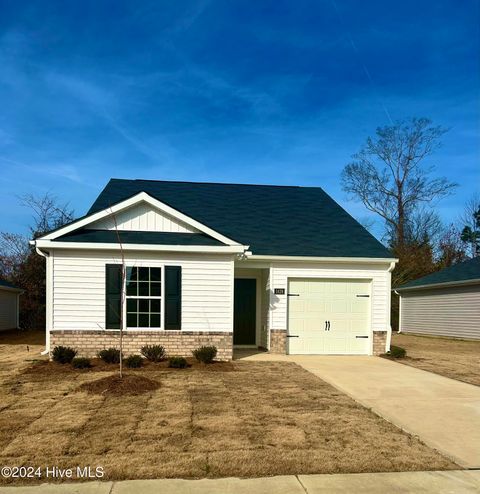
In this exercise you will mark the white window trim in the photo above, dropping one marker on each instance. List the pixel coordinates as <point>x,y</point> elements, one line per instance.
<point>161,297</point>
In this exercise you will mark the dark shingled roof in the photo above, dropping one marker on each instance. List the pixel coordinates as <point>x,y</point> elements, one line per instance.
<point>134,237</point>
<point>461,272</point>
<point>273,220</point>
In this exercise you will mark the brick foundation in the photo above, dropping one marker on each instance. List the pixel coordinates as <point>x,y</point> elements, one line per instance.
<point>181,343</point>
<point>379,342</point>
<point>278,341</point>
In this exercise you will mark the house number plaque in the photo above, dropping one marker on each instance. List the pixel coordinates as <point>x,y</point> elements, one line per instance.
<point>279,291</point>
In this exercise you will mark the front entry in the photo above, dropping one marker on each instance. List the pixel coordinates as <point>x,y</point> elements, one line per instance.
<point>244,311</point>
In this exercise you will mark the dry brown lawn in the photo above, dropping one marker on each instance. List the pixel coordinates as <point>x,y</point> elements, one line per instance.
<point>457,359</point>
<point>247,419</point>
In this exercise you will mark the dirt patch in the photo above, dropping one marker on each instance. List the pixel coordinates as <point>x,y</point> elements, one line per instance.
<point>129,384</point>
<point>449,357</point>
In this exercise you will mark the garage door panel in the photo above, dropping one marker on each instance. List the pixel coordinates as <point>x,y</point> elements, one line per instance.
<point>320,300</point>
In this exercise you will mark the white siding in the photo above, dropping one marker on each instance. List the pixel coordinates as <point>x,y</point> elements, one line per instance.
<point>143,217</point>
<point>79,288</point>
<point>380,303</point>
<point>8,309</point>
<point>442,312</point>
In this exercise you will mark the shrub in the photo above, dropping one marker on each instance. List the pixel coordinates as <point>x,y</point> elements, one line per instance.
<point>81,363</point>
<point>205,354</point>
<point>63,354</point>
<point>177,362</point>
<point>110,355</point>
<point>134,361</point>
<point>397,352</point>
<point>154,353</point>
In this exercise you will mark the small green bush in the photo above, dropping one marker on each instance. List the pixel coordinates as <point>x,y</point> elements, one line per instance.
<point>63,354</point>
<point>154,353</point>
<point>81,363</point>
<point>134,361</point>
<point>397,352</point>
<point>177,362</point>
<point>110,355</point>
<point>205,354</point>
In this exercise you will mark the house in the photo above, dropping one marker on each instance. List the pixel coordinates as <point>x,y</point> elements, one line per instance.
<point>9,305</point>
<point>445,303</point>
<point>281,268</point>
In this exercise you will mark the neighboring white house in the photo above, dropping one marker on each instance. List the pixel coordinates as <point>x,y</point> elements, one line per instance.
<point>9,305</point>
<point>446,303</point>
<point>281,268</point>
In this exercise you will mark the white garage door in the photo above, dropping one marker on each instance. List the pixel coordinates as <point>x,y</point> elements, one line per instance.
<point>328,316</point>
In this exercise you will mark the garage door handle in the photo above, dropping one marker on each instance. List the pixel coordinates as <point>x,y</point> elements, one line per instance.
<point>293,336</point>
<point>293,295</point>
<point>361,336</point>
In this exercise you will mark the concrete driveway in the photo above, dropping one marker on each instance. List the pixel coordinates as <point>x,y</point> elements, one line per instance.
<point>444,413</point>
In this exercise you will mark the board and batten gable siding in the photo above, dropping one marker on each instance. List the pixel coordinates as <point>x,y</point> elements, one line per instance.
<point>8,309</point>
<point>143,217</point>
<point>453,311</point>
<point>379,274</point>
<point>79,288</point>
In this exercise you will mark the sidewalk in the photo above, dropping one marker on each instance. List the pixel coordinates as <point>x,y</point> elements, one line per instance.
<point>458,482</point>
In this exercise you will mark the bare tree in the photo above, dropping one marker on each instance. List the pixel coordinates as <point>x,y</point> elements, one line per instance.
<point>389,177</point>
<point>470,221</point>
<point>22,266</point>
<point>123,277</point>
<point>48,213</point>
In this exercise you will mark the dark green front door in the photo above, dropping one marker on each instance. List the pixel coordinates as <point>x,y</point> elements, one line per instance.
<point>244,311</point>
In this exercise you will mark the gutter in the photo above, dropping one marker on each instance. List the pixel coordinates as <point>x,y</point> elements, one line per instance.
<point>46,256</point>
<point>370,260</point>
<point>446,284</point>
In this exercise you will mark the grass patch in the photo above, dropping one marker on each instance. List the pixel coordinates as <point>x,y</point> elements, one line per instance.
<point>449,357</point>
<point>247,419</point>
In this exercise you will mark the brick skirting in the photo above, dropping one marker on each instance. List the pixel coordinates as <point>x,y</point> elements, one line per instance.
<point>278,341</point>
<point>379,342</point>
<point>181,343</point>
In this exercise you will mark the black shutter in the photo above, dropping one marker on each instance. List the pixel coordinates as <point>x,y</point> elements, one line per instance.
<point>113,290</point>
<point>173,297</point>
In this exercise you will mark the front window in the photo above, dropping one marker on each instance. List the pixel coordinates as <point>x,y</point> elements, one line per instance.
<point>144,297</point>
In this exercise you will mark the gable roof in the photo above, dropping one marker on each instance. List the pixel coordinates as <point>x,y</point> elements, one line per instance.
<point>273,220</point>
<point>460,273</point>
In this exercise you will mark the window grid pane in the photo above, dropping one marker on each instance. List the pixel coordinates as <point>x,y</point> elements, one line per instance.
<point>141,284</point>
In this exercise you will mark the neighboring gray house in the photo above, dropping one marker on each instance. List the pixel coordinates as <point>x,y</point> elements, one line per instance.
<point>9,305</point>
<point>446,303</point>
<point>282,268</point>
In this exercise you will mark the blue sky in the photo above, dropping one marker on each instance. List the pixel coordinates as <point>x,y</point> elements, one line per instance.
<point>227,91</point>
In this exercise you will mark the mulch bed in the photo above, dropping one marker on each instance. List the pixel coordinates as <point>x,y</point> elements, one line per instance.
<point>129,384</point>
<point>45,367</point>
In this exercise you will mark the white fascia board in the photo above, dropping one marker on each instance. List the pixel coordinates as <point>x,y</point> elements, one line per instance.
<point>362,260</point>
<point>447,284</point>
<point>136,199</point>
<point>222,249</point>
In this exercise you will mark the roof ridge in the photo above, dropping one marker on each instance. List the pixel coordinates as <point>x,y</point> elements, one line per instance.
<point>215,183</point>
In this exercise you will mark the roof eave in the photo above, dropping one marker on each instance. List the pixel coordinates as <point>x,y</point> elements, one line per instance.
<point>446,284</point>
<point>222,249</point>
<point>362,260</point>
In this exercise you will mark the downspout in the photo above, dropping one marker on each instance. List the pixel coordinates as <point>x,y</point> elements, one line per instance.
<point>399,311</point>
<point>47,339</point>
<point>389,333</point>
